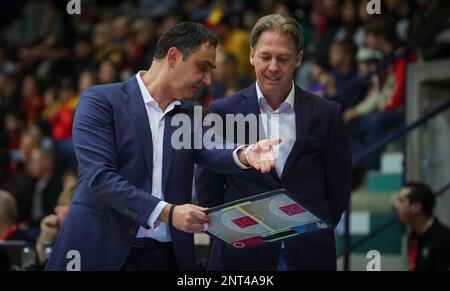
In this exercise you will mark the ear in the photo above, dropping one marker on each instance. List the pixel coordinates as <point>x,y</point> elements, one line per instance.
<point>172,57</point>
<point>299,59</point>
<point>252,56</point>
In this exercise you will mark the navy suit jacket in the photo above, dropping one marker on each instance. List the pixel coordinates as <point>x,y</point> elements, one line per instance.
<point>113,145</point>
<point>318,170</point>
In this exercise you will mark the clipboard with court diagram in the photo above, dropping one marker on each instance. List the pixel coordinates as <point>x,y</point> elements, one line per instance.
<point>263,219</point>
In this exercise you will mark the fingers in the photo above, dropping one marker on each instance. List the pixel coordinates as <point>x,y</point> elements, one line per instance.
<point>271,142</point>
<point>190,218</point>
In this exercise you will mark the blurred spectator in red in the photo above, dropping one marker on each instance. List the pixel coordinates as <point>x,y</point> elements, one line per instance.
<point>9,229</point>
<point>382,109</point>
<point>32,102</point>
<point>62,117</point>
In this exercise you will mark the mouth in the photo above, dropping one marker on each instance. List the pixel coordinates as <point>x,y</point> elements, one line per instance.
<point>272,78</point>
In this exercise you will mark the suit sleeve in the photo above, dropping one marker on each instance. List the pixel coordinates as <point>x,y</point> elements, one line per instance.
<point>209,185</point>
<point>93,137</point>
<point>338,169</point>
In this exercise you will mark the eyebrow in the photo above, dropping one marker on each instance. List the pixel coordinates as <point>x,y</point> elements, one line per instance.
<point>208,63</point>
<point>284,55</point>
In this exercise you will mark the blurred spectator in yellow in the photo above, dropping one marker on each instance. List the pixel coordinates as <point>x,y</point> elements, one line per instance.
<point>105,49</point>
<point>233,39</point>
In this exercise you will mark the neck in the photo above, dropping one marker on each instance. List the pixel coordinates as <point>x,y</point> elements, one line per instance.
<point>277,100</point>
<point>419,225</point>
<point>155,80</point>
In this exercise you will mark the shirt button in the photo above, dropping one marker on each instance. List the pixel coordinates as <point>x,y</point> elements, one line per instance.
<point>133,230</point>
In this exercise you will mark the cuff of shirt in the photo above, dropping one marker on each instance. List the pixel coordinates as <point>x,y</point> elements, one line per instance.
<point>155,214</point>
<point>236,159</point>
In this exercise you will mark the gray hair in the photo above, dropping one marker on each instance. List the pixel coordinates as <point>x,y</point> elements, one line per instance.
<point>280,23</point>
<point>8,207</point>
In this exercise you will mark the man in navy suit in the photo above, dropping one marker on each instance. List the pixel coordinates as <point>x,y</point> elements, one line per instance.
<point>313,158</point>
<point>131,210</point>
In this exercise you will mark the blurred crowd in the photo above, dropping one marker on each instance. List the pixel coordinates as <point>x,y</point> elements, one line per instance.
<point>48,57</point>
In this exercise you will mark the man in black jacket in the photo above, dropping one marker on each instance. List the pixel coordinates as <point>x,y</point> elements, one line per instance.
<point>429,242</point>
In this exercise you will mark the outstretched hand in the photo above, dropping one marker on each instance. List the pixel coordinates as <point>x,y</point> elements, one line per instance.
<point>260,155</point>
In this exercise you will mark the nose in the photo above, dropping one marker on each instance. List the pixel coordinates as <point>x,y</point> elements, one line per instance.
<point>207,79</point>
<point>273,66</point>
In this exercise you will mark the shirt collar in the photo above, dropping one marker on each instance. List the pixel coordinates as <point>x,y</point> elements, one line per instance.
<point>288,103</point>
<point>148,99</point>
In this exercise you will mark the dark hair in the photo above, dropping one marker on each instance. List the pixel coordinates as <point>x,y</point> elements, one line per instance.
<point>347,46</point>
<point>421,193</point>
<point>384,26</point>
<point>186,37</point>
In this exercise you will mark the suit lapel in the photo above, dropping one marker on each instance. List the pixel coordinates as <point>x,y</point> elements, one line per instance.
<point>168,149</point>
<point>134,104</point>
<point>303,108</point>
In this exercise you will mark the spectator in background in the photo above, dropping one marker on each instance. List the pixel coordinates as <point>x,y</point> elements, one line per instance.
<point>32,102</point>
<point>61,123</point>
<point>121,31</point>
<point>402,11</point>
<point>41,199</point>
<point>142,42</point>
<point>234,40</point>
<point>104,46</point>
<point>51,224</point>
<point>86,79</point>
<point>341,58</point>
<point>227,80</point>
<point>82,55</point>
<point>382,109</point>
<point>108,73</point>
<point>9,229</point>
<point>350,21</point>
<point>431,15</point>
<point>429,242</point>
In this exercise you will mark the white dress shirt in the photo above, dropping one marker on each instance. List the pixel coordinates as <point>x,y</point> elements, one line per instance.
<point>279,123</point>
<point>158,230</point>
